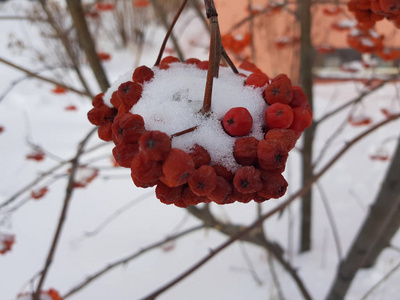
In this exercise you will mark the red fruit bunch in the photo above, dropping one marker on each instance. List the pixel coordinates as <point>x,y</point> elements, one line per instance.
<point>6,242</point>
<point>44,295</point>
<point>188,174</point>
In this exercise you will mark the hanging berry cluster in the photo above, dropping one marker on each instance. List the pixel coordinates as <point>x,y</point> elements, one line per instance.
<point>193,166</point>
<point>367,13</point>
<point>167,131</point>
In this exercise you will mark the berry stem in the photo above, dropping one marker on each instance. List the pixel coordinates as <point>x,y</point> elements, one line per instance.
<point>183,132</point>
<point>215,54</point>
<point>160,54</point>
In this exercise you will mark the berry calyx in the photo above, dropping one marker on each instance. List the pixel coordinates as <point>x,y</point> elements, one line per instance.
<point>237,121</point>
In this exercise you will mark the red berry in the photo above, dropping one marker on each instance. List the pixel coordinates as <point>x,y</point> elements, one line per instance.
<point>156,144</point>
<point>272,156</point>
<point>286,138</point>
<point>203,65</point>
<point>221,192</point>
<point>223,172</point>
<point>37,194</point>
<point>115,100</point>
<point>237,121</point>
<point>105,132</point>
<point>124,154</point>
<point>98,100</point>
<point>142,74</point>
<point>144,171</point>
<point>299,98</point>
<point>168,195</point>
<point>199,155</point>
<point>166,61</point>
<point>302,119</point>
<point>279,115</point>
<point>101,115</point>
<point>248,66</point>
<point>274,185</point>
<point>257,80</point>
<point>203,181</point>
<point>177,168</point>
<point>247,180</point>
<point>240,197</point>
<point>279,90</point>
<point>128,128</point>
<point>130,93</point>
<point>192,61</point>
<point>245,151</point>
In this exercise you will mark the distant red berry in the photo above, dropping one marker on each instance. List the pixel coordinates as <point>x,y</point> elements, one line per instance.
<point>177,168</point>
<point>1,129</point>
<point>248,66</point>
<point>245,151</point>
<point>203,65</point>
<point>237,121</point>
<point>166,61</point>
<point>37,194</point>
<point>247,180</point>
<point>142,74</point>
<point>279,115</point>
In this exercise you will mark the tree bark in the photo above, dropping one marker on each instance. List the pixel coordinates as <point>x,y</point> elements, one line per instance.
<point>306,64</point>
<point>381,215</point>
<point>86,41</point>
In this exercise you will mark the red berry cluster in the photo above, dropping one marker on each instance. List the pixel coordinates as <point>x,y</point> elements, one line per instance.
<point>188,178</point>
<point>6,242</point>
<point>50,294</point>
<point>367,13</point>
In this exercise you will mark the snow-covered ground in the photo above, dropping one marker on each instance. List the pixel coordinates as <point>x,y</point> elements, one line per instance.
<point>30,113</point>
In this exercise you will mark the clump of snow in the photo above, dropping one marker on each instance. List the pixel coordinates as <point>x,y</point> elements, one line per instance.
<point>171,102</point>
<point>347,23</point>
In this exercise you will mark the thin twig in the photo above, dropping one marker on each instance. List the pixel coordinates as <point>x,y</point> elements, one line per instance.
<point>127,259</point>
<point>331,220</point>
<point>277,209</point>
<point>68,196</point>
<point>32,74</point>
<point>376,285</point>
<point>274,276</point>
<point>249,264</point>
<point>169,32</point>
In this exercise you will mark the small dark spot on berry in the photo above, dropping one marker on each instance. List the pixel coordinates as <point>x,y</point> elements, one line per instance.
<point>278,157</point>
<point>150,144</point>
<point>126,88</point>
<point>244,183</point>
<point>279,112</point>
<point>121,131</point>
<point>200,185</point>
<point>275,91</point>
<point>280,191</point>
<point>231,121</point>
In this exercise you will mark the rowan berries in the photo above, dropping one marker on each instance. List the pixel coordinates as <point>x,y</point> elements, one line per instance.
<point>199,155</point>
<point>128,128</point>
<point>272,156</point>
<point>144,171</point>
<point>257,80</point>
<point>168,195</point>
<point>223,172</point>
<point>279,115</point>
<point>203,180</point>
<point>247,180</point>
<point>124,153</point>
<point>192,61</point>
<point>166,61</point>
<point>177,168</point>
<point>279,90</point>
<point>238,121</point>
<point>156,144</point>
<point>302,119</point>
<point>142,74</point>
<point>245,151</point>
<point>221,192</point>
<point>130,93</point>
<point>274,185</point>
<point>285,138</point>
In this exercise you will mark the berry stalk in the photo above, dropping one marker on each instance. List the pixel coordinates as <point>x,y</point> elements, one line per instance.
<point>215,54</point>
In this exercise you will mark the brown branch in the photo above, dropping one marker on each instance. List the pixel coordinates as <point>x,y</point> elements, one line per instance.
<point>161,15</point>
<point>229,61</point>
<point>127,259</point>
<point>86,41</point>
<point>68,196</point>
<point>63,37</point>
<point>183,132</point>
<point>32,74</point>
<point>243,233</point>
